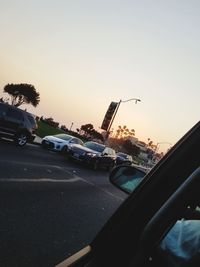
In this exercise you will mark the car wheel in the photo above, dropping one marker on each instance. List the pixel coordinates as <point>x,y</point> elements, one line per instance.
<point>21,139</point>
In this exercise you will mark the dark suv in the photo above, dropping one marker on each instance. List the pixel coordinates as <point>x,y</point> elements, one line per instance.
<point>17,124</point>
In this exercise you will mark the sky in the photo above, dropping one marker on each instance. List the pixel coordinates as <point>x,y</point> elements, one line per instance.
<point>83,54</point>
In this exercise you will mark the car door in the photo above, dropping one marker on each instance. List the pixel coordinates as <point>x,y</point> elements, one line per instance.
<point>13,120</point>
<point>119,242</point>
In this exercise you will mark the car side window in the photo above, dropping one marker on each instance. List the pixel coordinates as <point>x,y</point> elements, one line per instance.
<point>79,142</point>
<point>31,120</point>
<point>3,110</point>
<point>15,114</point>
<point>76,141</point>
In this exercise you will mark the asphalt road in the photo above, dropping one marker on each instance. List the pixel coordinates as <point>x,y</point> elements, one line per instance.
<point>50,207</point>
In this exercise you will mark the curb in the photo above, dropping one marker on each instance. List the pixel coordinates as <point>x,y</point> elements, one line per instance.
<point>36,143</point>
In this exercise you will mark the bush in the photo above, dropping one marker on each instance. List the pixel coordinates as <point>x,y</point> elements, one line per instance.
<point>45,129</point>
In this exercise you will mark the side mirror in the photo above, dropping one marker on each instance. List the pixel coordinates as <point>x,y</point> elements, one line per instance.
<point>126,178</point>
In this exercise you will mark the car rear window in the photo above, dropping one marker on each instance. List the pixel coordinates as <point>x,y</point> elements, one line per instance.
<point>31,119</point>
<point>65,137</point>
<point>14,113</point>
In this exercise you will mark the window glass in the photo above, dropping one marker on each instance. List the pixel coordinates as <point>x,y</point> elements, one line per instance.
<point>182,243</point>
<point>15,114</point>
<point>31,119</point>
<point>80,142</point>
<point>3,109</point>
<point>65,137</point>
<point>121,75</point>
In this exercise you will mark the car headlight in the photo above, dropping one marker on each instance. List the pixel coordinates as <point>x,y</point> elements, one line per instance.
<point>90,154</point>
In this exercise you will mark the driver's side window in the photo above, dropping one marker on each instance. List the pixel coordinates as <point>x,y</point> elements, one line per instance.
<point>181,246</point>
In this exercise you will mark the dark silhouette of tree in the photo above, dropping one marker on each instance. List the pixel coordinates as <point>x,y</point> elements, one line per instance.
<point>89,132</point>
<point>51,122</point>
<point>87,128</point>
<point>64,128</point>
<point>22,94</point>
<point>96,135</point>
<point>122,132</point>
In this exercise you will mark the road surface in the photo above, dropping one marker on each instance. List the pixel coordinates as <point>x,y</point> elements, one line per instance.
<point>56,207</point>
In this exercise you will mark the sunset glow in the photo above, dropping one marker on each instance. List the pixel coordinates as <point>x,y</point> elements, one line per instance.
<point>81,55</point>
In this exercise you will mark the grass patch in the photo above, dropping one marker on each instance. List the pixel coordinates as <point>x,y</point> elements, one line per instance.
<point>45,129</point>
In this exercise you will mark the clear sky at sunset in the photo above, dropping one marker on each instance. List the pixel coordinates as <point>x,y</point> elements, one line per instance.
<point>82,54</point>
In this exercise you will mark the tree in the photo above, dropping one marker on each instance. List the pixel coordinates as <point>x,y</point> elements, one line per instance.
<point>90,132</point>
<point>87,128</point>
<point>22,94</point>
<point>122,132</point>
<point>64,128</point>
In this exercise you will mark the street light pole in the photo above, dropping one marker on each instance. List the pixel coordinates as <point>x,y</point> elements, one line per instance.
<point>71,126</point>
<point>119,103</point>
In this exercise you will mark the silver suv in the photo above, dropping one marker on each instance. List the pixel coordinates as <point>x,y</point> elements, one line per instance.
<point>17,124</point>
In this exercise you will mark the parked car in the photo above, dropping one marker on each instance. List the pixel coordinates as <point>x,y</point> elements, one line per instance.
<point>17,124</point>
<point>123,158</point>
<point>60,142</point>
<point>94,154</point>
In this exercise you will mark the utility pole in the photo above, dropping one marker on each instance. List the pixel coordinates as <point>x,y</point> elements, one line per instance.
<point>119,103</point>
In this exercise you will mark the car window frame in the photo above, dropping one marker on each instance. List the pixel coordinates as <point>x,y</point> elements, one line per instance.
<point>118,241</point>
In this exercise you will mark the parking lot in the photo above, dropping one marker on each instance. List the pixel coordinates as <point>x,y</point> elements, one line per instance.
<point>44,226</point>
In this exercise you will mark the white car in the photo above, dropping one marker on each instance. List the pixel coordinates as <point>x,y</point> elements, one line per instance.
<point>60,142</point>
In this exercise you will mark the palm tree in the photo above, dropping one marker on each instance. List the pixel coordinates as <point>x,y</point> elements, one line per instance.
<point>132,132</point>
<point>118,131</point>
<point>124,131</point>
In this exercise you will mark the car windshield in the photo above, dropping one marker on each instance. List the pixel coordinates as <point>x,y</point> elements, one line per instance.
<point>114,76</point>
<point>94,146</point>
<point>64,136</point>
<point>125,156</point>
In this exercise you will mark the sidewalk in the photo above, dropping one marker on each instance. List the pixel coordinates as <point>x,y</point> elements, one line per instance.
<point>37,140</point>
